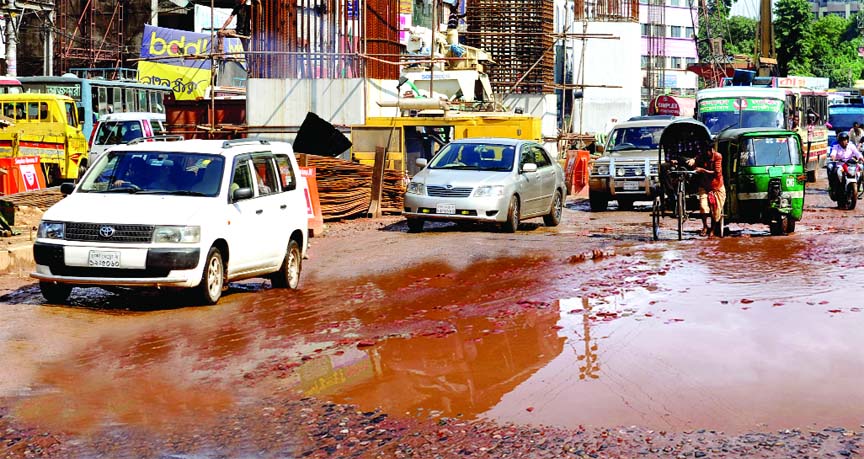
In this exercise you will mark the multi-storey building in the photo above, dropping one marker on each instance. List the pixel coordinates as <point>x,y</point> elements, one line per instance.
<point>669,46</point>
<point>842,8</point>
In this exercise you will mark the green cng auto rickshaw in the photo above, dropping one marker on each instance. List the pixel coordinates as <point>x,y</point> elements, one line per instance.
<point>763,170</point>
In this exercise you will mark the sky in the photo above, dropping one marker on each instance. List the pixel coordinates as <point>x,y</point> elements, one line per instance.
<point>748,8</point>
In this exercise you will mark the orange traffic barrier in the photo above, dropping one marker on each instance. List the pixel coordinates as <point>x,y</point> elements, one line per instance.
<point>20,174</point>
<point>577,170</point>
<point>313,203</point>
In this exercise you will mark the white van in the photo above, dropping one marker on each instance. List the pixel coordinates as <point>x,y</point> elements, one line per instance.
<point>120,128</point>
<point>190,214</point>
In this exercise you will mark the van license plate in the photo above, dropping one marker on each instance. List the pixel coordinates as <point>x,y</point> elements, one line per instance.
<point>631,186</point>
<point>99,259</point>
<point>447,209</point>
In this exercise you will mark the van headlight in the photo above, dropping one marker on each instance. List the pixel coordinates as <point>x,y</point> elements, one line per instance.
<point>52,230</point>
<point>183,234</point>
<point>417,188</point>
<point>489,191</point>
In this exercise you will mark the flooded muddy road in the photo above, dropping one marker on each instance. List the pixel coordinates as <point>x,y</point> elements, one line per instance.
<point>586,340</point>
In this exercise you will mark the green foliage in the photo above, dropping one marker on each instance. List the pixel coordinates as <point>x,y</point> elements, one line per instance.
<point>738,32</point>
<point>793,31</point>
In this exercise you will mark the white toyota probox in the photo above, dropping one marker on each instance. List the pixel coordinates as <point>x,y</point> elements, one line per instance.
<point>192,214</point>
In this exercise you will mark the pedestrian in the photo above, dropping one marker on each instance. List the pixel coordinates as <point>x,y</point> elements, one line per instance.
<point>856,134</point>
<point>712,193</point>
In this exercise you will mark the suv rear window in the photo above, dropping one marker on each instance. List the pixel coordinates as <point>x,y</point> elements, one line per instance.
<point>117,132</point>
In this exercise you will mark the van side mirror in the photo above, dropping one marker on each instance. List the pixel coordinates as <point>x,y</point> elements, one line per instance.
<point>421,162</point>
<point>67,188</point>
<point>529,167</point>
<point>599,148</point>
<point>241,194</point>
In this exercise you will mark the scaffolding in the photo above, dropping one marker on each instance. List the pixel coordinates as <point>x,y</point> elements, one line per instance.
<point>519,34</point>
<point>655,79</point>
<point>90,34</point>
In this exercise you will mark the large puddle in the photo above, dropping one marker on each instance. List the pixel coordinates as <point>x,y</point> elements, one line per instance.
<point>743,334</point>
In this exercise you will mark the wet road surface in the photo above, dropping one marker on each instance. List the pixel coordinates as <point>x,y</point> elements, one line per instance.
<point>585,326</point>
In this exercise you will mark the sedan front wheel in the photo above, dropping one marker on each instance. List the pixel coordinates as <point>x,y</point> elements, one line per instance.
<point>512,223</point>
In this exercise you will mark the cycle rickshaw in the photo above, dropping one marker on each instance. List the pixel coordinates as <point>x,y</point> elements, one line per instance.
<point>675,192</point>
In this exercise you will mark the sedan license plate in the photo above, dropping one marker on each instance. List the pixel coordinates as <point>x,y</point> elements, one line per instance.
<point>631,186</point>
<point>99,259</point>
<point>447,209</point>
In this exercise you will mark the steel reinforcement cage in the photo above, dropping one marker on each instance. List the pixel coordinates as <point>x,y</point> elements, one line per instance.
<point>324,39</point>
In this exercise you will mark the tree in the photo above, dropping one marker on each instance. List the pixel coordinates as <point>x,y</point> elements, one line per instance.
<point>792,29</point>
<point>738,32</point>
<point>833,50</point>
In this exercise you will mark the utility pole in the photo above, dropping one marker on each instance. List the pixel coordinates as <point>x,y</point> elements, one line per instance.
<point>48,50</point>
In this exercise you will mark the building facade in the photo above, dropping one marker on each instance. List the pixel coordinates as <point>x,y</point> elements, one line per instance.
<point>675,29</point>
<point>843,8</point>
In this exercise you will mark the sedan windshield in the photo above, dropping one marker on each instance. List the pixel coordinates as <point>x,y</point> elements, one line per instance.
<point>475,156</point>
<point>155,173</point>
<point>635,138</point>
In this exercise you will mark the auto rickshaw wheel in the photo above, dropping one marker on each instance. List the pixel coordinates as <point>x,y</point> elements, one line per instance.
<point>811,176</point>
<point>783,224</point>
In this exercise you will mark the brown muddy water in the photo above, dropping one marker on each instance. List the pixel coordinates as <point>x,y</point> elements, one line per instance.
<point>741,334</point>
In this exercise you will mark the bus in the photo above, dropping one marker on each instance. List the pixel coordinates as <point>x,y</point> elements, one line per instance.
<point>10,85</point>
<point>47,126</point>
<point>95,97</point>
<point>798,109</point>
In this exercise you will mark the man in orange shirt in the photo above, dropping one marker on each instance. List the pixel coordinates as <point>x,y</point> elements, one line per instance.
<point>712,192</point>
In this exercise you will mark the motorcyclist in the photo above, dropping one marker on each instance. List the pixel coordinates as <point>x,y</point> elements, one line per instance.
<point>841,152</point>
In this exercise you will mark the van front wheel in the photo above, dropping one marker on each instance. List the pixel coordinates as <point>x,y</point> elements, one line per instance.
<point>288,275</point>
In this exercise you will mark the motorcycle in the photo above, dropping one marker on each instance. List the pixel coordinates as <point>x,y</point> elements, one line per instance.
<point>845,180</point>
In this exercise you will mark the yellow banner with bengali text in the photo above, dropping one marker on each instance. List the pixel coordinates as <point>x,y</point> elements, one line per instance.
<point>188,83</point>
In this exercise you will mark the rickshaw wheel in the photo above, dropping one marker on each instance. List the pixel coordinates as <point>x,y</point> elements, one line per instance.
<point>681,213</point>
<point>656,213</point>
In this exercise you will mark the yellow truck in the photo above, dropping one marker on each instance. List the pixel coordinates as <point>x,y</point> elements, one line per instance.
<point>47,126</point>
<point>407,138</point>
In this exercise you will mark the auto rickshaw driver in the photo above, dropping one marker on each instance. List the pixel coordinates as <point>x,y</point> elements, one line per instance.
<point>712,192</point>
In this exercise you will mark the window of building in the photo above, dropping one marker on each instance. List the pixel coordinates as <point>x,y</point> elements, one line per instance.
<point>690,60</point>
<point>676,62</point>
<point>646,29</point>
<point>688,32</point>
<point>674,2</point>
<point>675,31</point>
<point>644,61</point>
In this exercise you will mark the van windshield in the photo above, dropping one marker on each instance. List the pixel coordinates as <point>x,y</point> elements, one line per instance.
<point>155,173</point>
<point>117,132</point>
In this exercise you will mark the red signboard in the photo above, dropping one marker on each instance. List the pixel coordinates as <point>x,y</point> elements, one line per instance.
<point>665,105</point>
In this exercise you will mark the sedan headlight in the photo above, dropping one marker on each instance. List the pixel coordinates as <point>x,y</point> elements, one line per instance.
<point>185,234</point>
<point>416,188</point>
<point>492,191</point>
<point>52,230</point>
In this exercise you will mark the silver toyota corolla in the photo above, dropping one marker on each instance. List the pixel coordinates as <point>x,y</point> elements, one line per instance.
<point>489,180</point>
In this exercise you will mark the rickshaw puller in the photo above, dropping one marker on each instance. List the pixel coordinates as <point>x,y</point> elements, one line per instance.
<point>712,192</point>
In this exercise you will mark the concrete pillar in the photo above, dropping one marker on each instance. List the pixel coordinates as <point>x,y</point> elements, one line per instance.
<point>11,40</point>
